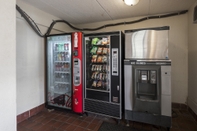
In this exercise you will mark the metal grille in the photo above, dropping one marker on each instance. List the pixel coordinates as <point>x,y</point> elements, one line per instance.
<point>102,108</point>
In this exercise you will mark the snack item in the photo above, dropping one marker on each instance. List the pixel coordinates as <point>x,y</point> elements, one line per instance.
<point>94,84</point>
<point>108,39</point>
<point>96,75</point>
<point>99,51</point>
<point>99,42</point>
<point>106,84</point>
<point>104,77</point>
<point>99,84</point>
<point>108,51</point>
<point>97,67</point>
<point>104,59</point>
<point>99,60</point>
<point>100,67</point>
<point>104,68</point>
<point>94,58</point>
<point>93,67</point>
<point>93,75</point>
<point>100,76</point>
<point>93,50</point>
<point>104,41</point>
<point>104,51</point>
<point>94,41</point>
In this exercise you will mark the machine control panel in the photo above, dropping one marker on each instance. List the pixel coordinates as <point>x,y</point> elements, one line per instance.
<point>76,71</point>
<point>115,61</point>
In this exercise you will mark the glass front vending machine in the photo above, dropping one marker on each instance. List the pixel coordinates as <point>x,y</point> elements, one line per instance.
<point>64,72</point>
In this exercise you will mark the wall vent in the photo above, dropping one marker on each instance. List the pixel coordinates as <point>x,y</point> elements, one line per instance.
<point>195,15</point>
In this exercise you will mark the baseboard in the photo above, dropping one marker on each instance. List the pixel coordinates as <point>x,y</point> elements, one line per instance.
<point>192,108</point>
<point>30,113</point>
<point>179,106</point>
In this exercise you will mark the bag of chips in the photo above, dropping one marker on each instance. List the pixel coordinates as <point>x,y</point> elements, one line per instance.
<point>94,41</point>
<point>93,50</point>
<point>99,60</point>
<point>99,51</point>
<point>94,58</point>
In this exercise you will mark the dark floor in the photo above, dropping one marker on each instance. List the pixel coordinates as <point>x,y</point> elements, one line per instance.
<point>182,120</point>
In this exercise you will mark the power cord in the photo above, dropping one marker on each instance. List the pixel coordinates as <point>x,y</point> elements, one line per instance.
<point>34,26</point>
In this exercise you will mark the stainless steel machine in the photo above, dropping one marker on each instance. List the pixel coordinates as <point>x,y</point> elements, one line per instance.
<point>147,76</point>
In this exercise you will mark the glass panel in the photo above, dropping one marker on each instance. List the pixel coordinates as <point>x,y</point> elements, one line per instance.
<point>98,64</point>
<point>59,71</point>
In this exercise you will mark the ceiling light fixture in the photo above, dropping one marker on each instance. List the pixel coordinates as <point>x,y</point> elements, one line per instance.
<point>131,2</point>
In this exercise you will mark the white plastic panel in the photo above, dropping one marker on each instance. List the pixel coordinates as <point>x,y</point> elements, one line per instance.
<point>166,80</point>
<point>166,105</point>
<point>128,87</point>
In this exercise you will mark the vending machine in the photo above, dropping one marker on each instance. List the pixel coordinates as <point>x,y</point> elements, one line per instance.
<point>147,73</point>
<point>103,73</point>
<point>64,71</point>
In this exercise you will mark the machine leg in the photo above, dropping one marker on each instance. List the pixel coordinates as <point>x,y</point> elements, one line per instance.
<point>118,121</point>
<point>168,128</point>
<point>127,122</point>
<point>81,114</point>
<point>86,113</point>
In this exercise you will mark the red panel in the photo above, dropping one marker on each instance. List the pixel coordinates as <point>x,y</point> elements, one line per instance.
<point>77,101</point>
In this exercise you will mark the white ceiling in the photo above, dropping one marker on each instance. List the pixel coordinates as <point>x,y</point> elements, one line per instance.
<point>88,11</point>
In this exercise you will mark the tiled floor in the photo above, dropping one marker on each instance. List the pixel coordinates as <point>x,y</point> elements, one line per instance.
<point>67,121</point>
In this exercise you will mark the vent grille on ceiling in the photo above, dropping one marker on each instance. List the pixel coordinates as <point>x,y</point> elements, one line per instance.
<point>195,14</point>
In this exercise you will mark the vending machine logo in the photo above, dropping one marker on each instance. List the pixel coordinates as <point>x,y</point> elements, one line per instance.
<point>75,40</point>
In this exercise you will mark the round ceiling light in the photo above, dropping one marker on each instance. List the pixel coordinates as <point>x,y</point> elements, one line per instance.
<point>131,2</point>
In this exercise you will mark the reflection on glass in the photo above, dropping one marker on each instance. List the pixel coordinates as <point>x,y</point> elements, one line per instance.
<point>97,60</point>
<point>59,71</point>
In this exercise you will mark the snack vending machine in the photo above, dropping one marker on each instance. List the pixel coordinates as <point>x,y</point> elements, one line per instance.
<point>103,74</point>
<point>64,71</point>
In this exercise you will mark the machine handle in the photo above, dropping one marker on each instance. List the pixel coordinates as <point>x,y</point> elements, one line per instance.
<point>118,87</point>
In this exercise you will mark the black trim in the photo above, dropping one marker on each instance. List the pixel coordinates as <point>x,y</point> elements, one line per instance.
<point>102,34</point>
<point>115,80</point>
<point>147,63</point>
<point>60,34</point>
<point>152,28</point>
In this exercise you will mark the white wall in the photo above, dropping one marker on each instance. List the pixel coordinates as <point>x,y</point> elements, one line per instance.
<point>30,57</point>
<point>192,60</point>
<point>178,48</point>
<point>7,66</point>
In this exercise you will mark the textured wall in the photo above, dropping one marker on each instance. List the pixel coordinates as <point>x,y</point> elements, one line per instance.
<point>8,66</point>
<point>192,60</point>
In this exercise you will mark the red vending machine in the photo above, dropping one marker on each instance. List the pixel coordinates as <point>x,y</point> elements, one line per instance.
<point>77,72</point>
<point>64,72</point>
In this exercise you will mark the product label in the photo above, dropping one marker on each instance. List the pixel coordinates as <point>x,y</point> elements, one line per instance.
<point>75,40</point>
